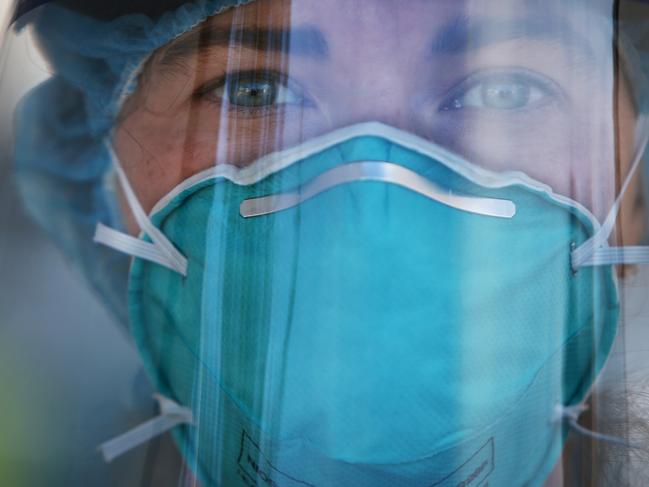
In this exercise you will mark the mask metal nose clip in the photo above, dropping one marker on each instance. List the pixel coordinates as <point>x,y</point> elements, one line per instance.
<point>376,171</point>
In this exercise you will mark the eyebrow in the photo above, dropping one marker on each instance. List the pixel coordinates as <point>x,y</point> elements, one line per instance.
<point>465,34</point>
<point>305,41</point>
<point>459,36</point>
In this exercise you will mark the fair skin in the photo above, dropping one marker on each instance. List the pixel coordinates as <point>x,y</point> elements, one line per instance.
<point>558,127</point>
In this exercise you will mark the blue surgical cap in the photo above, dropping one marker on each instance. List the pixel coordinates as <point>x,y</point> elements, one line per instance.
<point>60,156</point>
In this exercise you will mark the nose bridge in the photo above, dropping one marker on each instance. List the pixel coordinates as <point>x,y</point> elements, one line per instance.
<point>375,54</point>
<point>374,80</point>
<point>373,90</point>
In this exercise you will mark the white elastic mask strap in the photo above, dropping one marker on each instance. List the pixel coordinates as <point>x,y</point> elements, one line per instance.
<point>595,250</point>
<point>171,415</point>
<point>161,251</point>
<point>571,415</point>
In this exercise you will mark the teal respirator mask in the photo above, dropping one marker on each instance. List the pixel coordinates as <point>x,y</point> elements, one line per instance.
<point>369,309</point>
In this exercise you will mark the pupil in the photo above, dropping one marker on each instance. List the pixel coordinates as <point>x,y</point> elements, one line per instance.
<point>506,95</point>
<point>252,94</point>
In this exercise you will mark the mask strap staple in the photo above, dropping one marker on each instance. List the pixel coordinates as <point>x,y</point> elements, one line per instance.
<point>166,254</point>
<point>171,415</point>
<point>585,254</point>
<point>571,414</point>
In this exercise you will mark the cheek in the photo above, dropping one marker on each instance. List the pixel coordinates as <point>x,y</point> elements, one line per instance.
<point>152,153</point>
<point>567,150</point>
<point>539,146</point>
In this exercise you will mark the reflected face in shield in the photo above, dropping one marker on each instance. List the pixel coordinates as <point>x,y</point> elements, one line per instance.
<point>512,86</point>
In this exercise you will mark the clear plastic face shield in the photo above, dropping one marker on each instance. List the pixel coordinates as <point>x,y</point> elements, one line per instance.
<point>358,244</point>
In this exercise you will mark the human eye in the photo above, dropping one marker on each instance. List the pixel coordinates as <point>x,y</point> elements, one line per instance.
<point>502,91</point>
<point>252,90</point>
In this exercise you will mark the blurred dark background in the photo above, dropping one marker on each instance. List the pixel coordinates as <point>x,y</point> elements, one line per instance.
<point>69,376</point>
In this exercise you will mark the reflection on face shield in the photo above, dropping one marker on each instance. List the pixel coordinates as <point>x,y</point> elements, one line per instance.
<point>376,248</point>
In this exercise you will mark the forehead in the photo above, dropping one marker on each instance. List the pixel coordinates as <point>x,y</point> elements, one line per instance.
<point>395,32</point>
<point>414,17</point>
<point>377,29</point>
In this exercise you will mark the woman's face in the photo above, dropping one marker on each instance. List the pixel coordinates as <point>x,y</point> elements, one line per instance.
<point>511,85</point>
